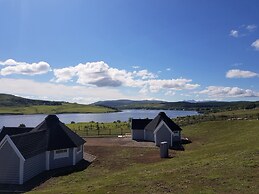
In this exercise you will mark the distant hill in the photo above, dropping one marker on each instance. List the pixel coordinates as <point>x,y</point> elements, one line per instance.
<point>10,104</point>
<point>203,107</point>
<point>11,101</point>
<point>126,103</point>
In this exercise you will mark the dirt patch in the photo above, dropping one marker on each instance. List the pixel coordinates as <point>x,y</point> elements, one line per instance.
<point>116,153</point>
<point>116,141</point>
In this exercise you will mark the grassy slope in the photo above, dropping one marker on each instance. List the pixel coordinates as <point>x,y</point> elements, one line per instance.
<point>241,113</point>
<point>223,158</point>
<point>48,109</point>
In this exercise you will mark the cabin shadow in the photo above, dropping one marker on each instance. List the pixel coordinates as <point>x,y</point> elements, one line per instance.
<point>43,177</point>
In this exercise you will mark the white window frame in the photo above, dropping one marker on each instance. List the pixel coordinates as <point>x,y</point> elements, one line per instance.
<point>79,150</point>
<point>63,154</point>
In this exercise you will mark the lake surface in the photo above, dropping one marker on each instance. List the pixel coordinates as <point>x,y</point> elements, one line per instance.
<point>34,120</point>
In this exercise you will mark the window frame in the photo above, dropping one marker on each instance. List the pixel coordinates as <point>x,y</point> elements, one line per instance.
<point>64,153</point>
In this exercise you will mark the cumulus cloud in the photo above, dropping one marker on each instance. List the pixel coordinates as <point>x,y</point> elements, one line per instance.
<point>234,33</point>
<point>255,44</point>
<point>237,73</point>
<point>64,74</point>
<point>100,74</point>
<point>173,84</point>
<point>93,73</point>
<point>23,68</point>
<point>144,74</point>
<point>224,92</point>
<point>135,67</point>
<point>168,69</point>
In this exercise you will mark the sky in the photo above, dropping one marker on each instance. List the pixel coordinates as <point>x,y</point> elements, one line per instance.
<point>89,50</point>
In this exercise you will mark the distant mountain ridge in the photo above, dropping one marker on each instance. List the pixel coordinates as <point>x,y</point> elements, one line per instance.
<point>200,106</point>
<point>124,102</point>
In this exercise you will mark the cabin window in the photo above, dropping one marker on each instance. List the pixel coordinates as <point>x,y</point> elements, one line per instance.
<point>79,149</point>
<point>176,133</point>
<point>62,153</point>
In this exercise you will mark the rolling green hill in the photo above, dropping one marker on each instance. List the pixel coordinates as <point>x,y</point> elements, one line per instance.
<point>9,100</point>
<point>10,104</point>
<point>202,107</point>
<point>223,158</point>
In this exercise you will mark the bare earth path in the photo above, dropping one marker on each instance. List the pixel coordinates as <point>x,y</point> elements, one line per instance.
<point>116,141</point>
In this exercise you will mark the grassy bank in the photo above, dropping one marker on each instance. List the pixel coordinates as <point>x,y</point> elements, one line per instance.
<point>55,109</point>
<point>223,158</point>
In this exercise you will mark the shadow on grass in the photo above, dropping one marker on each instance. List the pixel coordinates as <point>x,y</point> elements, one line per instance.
<point>43,177</point>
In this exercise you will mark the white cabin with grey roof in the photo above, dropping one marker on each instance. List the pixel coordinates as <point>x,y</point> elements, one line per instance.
<point>26,152</point>
<point>157,130</point>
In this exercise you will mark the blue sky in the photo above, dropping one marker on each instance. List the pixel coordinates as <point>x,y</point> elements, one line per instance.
<point>85,51</point>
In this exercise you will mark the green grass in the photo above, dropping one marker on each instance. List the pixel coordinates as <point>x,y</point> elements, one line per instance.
<point>223,158</point>
<point>91,128</point>
<point>55,109</point>
<point>242,113</point>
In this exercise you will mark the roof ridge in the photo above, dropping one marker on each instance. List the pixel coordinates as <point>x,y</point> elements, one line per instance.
<point>27,133</point>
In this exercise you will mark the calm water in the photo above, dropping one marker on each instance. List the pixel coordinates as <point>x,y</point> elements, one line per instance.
<point>34,120</point>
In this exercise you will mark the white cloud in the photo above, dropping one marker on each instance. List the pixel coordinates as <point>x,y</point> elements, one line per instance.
<point>172,84</point>
<point>64,74</point>
<point>243,30</point>
<point>99,74</point>
<point>135,67</point>
<point>144,74</point>
<point>11,62</point>
<point>93,73</point>
<point>255,44</point>
<point>224,92</point>
<point>236,73</point>
<point>144,90</point>
<point>168,69</point>
<point>251,27</point>
<point>234,33</point>
<point>54,91</point>
<point>170,93</point>
<point>23,68</point>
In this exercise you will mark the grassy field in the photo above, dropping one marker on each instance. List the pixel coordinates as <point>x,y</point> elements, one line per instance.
<point>101,129</point>
<point>223,158</point>
<point>242,113</point>
<point>55,109</point>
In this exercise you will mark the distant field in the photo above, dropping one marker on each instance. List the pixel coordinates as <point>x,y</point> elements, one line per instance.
<point>223,158</point>
<point>248,113</point>
<point>101,129</point>
<point>55,109</point>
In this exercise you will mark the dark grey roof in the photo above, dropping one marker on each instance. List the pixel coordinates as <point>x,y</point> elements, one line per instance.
<point>31,143</point>
<point>59,135</point>
<point>162,117</point>
<point>49,135</point>
<point>139,123</point>
<point>13,131</point>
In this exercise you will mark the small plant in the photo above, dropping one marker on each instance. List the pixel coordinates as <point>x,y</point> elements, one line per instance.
<point>22,125</point>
